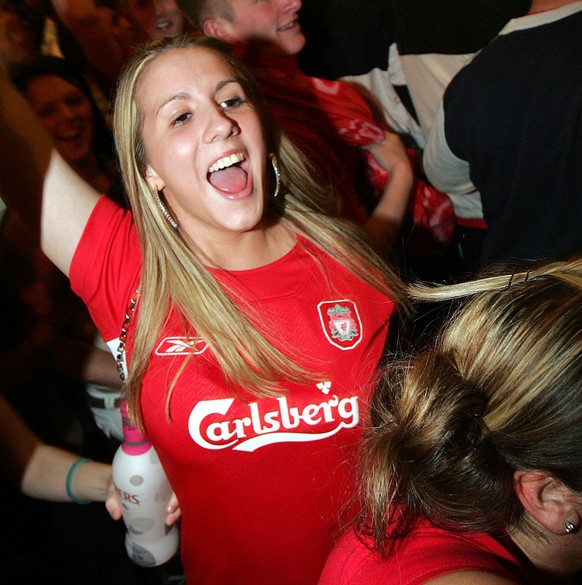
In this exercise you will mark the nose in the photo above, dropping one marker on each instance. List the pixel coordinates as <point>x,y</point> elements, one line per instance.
<point>219,125</point>
<point>158,7</point>
<point>291,5</point>
<point>67,112</point>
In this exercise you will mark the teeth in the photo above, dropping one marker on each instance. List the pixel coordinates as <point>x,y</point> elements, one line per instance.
<point>287,26</point>
<point>226,162</point>
<point>69,136</point>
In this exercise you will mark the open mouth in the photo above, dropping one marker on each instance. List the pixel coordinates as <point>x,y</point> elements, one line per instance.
<point>70,136</point>
<point>289,25</point>
<point>164,25</point>
<point>227,174</point>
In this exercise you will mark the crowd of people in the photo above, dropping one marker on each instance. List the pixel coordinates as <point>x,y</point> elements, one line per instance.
<point>242,231</point>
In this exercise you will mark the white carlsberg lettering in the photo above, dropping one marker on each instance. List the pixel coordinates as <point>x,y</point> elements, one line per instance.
<point>248,433</point>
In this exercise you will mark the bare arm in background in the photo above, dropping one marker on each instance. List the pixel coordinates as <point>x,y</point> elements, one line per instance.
<point>37,183</point>
<point>385,222</point>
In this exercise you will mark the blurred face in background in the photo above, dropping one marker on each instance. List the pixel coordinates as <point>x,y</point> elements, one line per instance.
<point>122,26</point>
<point>17,38</point>
<point>274,23</point>
<point>157,18</point>
<point>67,115</point>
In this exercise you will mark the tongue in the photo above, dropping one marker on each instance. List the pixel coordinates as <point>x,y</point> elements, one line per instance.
<point>230,180</point>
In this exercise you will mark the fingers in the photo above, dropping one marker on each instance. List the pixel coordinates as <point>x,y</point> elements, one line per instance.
<point>113,503</point>
<point>174,512</point>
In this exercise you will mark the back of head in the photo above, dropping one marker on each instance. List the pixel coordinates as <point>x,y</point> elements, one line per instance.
<point>500,391</point>
<point>197,11</point>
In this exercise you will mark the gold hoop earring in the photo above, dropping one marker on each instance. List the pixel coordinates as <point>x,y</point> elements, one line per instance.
<point>164,211</point>
<point>275,164</point>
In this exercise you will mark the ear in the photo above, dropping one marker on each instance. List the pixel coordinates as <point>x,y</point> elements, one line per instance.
<point>219,28</point>
<point>546,499</point>
<point>153,180</point>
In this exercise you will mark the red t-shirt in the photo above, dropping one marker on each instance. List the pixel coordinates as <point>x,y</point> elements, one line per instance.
<point>426,554</point>
<point>331,122</point>
<point>260,482</point>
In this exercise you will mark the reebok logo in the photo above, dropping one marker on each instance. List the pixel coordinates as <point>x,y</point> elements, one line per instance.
<point>181,346</point>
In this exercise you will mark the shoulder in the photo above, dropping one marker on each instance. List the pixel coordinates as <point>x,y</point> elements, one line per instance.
<point>428,555</point>
<point>109,231</point>
<point>352,562</point>
<point>106,265</point>
<point>473,577</point>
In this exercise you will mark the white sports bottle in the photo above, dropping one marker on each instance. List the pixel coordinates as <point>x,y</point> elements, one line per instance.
<point>144,491</point>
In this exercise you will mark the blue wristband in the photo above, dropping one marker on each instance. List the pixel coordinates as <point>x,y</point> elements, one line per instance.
<point>72,470</point>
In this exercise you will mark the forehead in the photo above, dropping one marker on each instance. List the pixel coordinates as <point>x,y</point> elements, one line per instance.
<point>246,9</point>
<point>189,70</point>
<point>50,83</point>
<point>9,19</point>
<point>140,4</point>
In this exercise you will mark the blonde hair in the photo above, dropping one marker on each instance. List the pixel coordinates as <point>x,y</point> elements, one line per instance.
<point>501,390</point>
<point>172,274</point>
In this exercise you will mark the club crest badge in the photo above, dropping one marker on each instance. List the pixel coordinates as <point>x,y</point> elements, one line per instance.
<point>341,323</point>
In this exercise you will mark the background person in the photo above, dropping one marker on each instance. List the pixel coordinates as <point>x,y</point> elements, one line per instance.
<point>406,53</point>
<point>50,362</point>
<point>43,471</point>
<point>157,18</point>
<point>471,464</point>
<point>509,125</point>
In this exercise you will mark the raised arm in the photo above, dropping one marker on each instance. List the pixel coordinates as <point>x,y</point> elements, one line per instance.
<point>385,222</point>
<point>37,183</point>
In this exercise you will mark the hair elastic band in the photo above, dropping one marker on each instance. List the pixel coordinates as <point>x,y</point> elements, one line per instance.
<point>72,470</point>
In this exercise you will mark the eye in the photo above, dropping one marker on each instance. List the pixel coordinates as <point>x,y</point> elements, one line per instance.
<point>46,111</point>
<point>75,100</point>
<point>231,103</point>
<point>181,119</point>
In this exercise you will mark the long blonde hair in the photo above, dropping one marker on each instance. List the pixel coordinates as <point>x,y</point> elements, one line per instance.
<point>172,274</point>
<point>500,390</point>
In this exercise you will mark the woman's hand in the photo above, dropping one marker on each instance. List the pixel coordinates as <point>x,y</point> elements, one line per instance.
<point>113,503</point>
<point>113,506</point>
<point>174,512</point>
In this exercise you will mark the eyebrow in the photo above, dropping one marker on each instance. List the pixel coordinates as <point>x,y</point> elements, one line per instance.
<point>185,95</point>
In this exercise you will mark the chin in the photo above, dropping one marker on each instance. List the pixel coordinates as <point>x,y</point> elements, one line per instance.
<point>296,46</point>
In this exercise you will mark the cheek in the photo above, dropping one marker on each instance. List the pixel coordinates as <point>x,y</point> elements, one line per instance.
<point>50,124</point>
<point>87,115</point>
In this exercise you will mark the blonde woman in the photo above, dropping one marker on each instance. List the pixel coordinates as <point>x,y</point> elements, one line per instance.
<point>471,466</point>
<point>252,321</point>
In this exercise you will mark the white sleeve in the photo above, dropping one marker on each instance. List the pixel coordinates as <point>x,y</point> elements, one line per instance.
<point>445,171</point>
